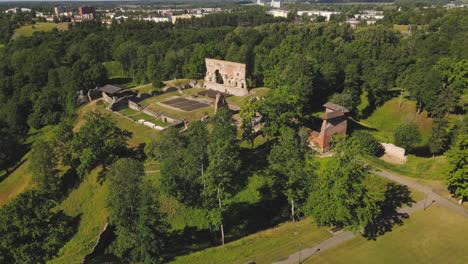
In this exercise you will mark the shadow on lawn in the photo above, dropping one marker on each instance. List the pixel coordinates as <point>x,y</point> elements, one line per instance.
<point>396,196</point>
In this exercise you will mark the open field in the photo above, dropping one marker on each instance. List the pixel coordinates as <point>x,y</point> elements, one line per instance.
<point>28,30</point>
<point>387,117</point>
<point>262,247</point>
<point>431,236</point>
<point>88,202</point>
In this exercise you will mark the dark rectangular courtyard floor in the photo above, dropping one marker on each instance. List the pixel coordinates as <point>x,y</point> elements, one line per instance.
<point>185,104</point>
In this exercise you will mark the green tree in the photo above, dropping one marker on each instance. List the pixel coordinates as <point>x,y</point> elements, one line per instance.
<point>365,143</point>
<point>291,164</point>
<point>32,230</point>
<point>43,165</point>
<point>458,167</point>
<point>224,164</point>
<point>407,135</point>
<point>134,211</point>
<point>438,142</point>
<point>340,197</point>
<point>9,148</point>
<point>99,141</point>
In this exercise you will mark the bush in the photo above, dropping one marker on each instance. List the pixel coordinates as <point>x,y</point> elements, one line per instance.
<point>407,135</point>
<point>366,143</point>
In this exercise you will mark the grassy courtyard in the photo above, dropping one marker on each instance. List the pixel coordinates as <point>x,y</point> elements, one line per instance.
<point>431,236</point>
<point>263,247</point>
<point>28,30</point>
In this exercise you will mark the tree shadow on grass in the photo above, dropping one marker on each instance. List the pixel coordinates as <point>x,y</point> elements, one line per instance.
<point>396,196</point>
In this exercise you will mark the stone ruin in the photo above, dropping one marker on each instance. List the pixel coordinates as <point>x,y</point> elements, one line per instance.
<point>394,154</point>
<point>220,102</point>
<point>334,123</point>
<point>226,76</point>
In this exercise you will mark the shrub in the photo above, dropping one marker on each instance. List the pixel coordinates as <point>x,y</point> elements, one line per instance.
<point>407,135</point>
<point>366,143</point>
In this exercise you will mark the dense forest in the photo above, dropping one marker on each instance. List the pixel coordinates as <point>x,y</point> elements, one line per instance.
<point>304,63</point>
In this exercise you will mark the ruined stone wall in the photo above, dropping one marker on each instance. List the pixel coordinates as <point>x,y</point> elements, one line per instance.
<point>232,73</point>
<point>134,106</point>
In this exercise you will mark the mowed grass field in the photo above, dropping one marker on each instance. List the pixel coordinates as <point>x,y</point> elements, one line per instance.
<point>28,30</point>
<point>436,235</point>
<point>263,247</point>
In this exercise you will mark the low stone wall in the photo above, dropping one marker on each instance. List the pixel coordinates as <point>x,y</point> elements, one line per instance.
<point>107,98</point>
<point>134,106</point>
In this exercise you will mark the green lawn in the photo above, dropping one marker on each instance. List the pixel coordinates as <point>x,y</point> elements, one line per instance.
<point>114,69</point>
<point>88,202</point>
<point>242,100</point>
<point>152,102</point>
<point>432,236</point>
<point>263,247</point>
<point>387,117</point>
<point>28,30</point>
<point>2,45</point>
<point>416,167</point>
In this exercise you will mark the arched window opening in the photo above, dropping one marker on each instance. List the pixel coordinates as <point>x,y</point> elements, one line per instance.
<point>219,78</point>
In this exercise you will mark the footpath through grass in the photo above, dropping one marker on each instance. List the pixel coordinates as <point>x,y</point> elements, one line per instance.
<point>28,30</point>
<point>436,235</point>
<point>263,247</point>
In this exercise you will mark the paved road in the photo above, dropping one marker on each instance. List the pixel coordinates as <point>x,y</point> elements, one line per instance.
<point>431,195</point>
<point>345,236</point>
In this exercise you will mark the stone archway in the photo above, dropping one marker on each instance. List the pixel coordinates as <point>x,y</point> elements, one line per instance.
<point>218,78</point>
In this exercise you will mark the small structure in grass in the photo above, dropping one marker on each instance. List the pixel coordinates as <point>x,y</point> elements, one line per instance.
<point>394,154</point>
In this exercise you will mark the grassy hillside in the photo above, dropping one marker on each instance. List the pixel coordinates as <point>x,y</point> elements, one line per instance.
<point>20,178</point>
<point>88,203</point>
<point>114,69</point>
<point>431,236</point>
<point>388,116</point>
<point>263,247</point>
<point>28,30</point>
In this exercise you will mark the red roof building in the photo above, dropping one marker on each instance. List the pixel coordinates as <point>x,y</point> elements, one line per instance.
<point>334,123</point>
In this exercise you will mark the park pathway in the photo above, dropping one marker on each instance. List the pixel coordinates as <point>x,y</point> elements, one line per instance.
<point>431,195</point>
<point>340,238</point>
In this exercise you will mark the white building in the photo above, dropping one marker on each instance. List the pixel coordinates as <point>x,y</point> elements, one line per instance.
<point>157,19</point>
<point>278,13</point>
<point>277,4</point>
<point>18,10</point>
<point>315,13</point>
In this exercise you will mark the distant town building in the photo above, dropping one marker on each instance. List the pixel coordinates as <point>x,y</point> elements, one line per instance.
<point>316,13</point>
<point>353,22</point>
<point>59,10</point>
<point>278,13</point>
<point>86,10</point>
<point>277,4</point>
<point>18,10</point>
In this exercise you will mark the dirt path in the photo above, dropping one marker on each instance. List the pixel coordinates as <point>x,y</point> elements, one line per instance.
<point>432,197</point>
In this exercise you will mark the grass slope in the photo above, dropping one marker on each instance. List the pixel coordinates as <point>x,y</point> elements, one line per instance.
<point>88,202</point>
<point>431,236</point>
<point>21,178</point>
<point>387,117</point>
<point>263,247</point>
<point>28,30</point>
